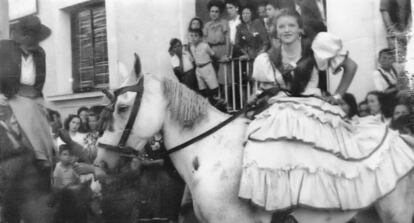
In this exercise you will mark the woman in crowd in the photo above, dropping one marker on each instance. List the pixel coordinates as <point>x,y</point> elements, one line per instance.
<point>377,106</point>
<point>303,114</point>
<point>183,64</point>
<point>216,34</point>
<point>196,23</point>
<point>251,35</point>
<point>349,105</point>
<point>83,115</point>
<point>71,128</point>
<point>399,110</point>
<point>363,108</point>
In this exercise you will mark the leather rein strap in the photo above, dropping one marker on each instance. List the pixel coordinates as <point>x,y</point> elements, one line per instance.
<point>127,151</point>
<point>208,132</point>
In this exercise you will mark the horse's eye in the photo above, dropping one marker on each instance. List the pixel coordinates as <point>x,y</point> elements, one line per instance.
<point>122,108</point>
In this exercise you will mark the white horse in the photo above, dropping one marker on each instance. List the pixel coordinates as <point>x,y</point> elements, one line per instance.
<point>212,166</point>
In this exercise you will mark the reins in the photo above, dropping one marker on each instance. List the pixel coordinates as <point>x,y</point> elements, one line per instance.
<point>208,132</point>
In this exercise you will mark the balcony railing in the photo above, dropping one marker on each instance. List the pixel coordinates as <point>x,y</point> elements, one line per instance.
<point>238,86</point>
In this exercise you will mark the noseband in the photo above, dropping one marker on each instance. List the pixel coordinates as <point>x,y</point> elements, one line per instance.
<point>109,109</point>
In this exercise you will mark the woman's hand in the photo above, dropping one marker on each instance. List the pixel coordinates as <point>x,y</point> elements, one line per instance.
<point>335,99</point>
<point>224,59</point>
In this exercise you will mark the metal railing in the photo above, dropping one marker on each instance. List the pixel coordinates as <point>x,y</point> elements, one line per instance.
<point>238,87</point>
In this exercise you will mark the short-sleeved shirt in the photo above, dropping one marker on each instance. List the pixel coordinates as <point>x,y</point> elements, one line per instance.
<point>380,82</point>
<point>63,176</point>
<point>215,32</point>
<point>187,61</point>
<point>201,53</point>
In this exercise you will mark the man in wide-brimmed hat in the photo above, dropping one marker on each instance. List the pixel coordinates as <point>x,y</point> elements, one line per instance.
<point>22,76</point>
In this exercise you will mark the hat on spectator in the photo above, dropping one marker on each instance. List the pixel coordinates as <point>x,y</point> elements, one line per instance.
<point>31,25</point>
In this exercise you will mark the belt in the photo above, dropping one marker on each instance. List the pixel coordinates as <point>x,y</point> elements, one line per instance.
<point>203,65</point>
<point>216,44</point>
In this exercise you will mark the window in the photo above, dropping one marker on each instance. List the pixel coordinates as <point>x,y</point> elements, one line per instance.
<point>89,49</point>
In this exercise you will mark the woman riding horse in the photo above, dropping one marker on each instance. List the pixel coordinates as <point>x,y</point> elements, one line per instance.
<point>323,160</point>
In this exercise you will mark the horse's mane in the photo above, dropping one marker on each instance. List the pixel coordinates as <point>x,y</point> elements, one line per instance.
<point>186,107</point>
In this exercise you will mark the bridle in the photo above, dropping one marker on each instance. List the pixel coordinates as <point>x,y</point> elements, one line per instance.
<point>127,151</point>
<point>109,109</point>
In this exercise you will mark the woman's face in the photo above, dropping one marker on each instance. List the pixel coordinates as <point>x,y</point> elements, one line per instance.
<point>195,24</point>
<point>177,48</point>
<point>272,12</point>
<point>74,124</point>
<point>373,104</point>
<point>399,111</point>
<point>288,29</point>
<point>246,15</point>
<point>84,116</point>
<point>214,13</point>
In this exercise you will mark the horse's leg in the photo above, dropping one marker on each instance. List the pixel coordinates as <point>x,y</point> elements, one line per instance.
<point>398,206</point>
<point>313,216</point>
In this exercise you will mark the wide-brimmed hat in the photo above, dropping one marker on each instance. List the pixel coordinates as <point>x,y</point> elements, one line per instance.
<point>32,24</point>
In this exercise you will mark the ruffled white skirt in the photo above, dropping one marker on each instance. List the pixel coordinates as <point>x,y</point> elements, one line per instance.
<point>302,152</point>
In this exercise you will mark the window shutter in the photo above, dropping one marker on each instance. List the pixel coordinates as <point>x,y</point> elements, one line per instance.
<point>89,49</point>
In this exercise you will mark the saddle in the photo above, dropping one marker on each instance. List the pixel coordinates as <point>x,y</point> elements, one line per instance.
<point>303,152</point>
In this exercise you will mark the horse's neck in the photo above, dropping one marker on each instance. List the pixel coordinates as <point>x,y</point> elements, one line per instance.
<point>186,159</point>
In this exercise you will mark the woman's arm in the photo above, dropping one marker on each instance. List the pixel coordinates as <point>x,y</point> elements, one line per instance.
<point>350,68</point>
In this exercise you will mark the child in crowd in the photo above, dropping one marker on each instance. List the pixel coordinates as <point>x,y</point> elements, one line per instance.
<point>64,175</point>
<point>363,109</point>
<point>206,75</point>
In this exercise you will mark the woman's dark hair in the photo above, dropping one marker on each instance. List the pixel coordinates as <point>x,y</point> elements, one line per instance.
<point>173,42</point>
<point>81,109</point>
<point>351,101</point>
<point>403,124</point>
<point>287,12</point>
<point>197,19</point>
<point>217,3</point>
<point>68,120</point>
<point>252,12</point>
<point>386,110</point>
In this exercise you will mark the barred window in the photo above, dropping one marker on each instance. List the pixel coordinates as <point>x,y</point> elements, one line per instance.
<point>89,49</point>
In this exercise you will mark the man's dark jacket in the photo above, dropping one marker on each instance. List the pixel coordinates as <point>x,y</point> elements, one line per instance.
<point>10,68</point>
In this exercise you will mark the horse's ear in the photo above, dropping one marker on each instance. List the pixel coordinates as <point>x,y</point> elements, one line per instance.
<point>137,65</point>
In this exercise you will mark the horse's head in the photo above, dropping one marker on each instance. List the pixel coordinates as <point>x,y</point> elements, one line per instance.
<point>144,94</point>
<point>146,104</point>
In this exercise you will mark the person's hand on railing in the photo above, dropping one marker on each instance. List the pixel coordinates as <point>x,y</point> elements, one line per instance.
<point>244,57</point>
<point>224,59</point>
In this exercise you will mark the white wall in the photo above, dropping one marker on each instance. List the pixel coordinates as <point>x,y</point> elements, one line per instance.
<point>141,26</point>
<point>4,19</point>
<point>145,27</point>
<point>359,24</point>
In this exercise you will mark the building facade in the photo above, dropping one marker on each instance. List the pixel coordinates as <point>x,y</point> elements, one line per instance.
<point>93,41</point>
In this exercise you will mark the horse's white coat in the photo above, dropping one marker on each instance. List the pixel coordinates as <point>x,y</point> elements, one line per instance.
<point>212,166</point>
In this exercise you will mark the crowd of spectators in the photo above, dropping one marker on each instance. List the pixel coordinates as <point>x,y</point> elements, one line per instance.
<point>248,30</point>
